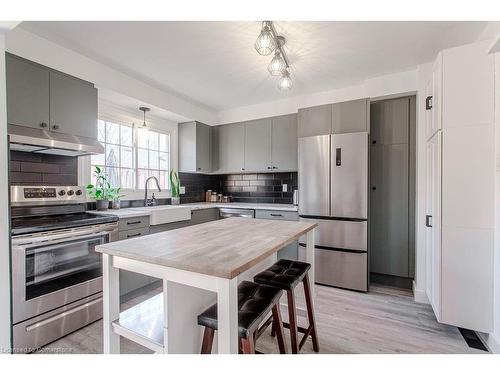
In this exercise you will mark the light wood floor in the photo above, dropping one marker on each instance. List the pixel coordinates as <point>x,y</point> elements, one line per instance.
<point>385,320</point>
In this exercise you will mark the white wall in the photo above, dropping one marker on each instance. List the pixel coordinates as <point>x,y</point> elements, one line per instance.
<point>387,85</point>
<point>493,339</point>
<point>5,319</point>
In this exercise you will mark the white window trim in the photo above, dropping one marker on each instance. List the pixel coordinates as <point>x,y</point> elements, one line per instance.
<point>84,163</point>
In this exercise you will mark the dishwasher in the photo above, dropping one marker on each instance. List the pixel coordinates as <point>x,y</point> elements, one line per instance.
<point>235,212</point>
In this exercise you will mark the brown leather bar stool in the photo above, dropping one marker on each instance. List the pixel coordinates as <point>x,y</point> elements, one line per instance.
<point>255,301</point>
<point>286,275</point>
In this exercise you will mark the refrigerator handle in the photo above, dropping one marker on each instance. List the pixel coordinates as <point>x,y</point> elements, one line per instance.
<point>338,157</point>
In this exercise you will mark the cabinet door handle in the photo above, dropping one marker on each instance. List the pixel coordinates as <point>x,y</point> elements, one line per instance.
<point>268,167</point>
<point>428,223</point>
<point>133,235</point>
<point>133,222</point>
<point>274,167</point>
<point>43,125</point>
<point>276,215</point>
<point>55,127</point>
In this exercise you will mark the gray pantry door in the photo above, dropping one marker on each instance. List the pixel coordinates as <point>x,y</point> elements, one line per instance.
<point>390,179</point>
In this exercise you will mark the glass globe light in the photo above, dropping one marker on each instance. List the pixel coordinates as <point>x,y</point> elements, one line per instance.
<point>265,43</point>
<point>277,65</point>
<point>285,83</point>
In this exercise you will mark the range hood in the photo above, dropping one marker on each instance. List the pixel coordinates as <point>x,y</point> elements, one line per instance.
<point>26,139</point>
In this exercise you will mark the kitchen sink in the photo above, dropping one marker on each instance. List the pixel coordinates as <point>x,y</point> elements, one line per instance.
<point>165,214</point>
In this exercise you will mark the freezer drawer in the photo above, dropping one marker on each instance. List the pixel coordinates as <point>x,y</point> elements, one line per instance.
<point>342,269</point>
<point>340,234</point>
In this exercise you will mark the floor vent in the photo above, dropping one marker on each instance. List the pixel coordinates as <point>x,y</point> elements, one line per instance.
<point>472,339</point>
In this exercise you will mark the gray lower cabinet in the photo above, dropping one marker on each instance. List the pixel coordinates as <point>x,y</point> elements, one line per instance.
<point>290,251</point>
<point>315,121</point>
<point>40,97</point>
<point>195,140</point>
<point>27,93</point>
<point>284,143</point>
<point>130,228</point>
<point>231,155</point>
<point>73,106</point>
<point>258,145</point>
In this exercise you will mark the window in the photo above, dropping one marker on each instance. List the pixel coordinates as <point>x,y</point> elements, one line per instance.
<point>132,155</point>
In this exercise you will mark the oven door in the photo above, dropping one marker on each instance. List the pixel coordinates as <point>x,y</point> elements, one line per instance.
<point>50,272</point>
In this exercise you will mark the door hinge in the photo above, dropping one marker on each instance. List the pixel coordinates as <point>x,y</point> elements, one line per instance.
<point>428,102</point>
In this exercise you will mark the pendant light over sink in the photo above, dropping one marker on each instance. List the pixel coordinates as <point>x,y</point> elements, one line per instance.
<point>269,41</point>
<point>144,110</point>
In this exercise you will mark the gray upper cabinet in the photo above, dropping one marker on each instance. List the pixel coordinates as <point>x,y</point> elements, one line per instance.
<point>195,141</point>
<point>284,143</point>
<point>40,97</point>
<point>73,106</point>
<point>385,114</point>
<point>350,117</point>
<point>231,139</point>
<point>315,121</point>
<point>27,93</point>
<point>258,145</point>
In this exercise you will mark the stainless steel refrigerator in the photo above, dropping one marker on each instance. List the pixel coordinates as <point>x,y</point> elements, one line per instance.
<point>333,191</point>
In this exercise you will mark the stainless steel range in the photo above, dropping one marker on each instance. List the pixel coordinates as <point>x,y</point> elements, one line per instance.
<point>56,274</point>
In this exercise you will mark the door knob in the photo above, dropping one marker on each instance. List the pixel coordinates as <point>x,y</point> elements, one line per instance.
<point>374,188</point>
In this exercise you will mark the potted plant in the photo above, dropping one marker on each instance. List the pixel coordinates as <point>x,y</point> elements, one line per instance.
<point>101,191</point>
<point>114,195</point>
<point>174,187</point>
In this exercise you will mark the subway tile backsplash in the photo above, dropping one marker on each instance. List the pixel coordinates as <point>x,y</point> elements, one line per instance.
<point>260,188</point>
<point>40,169</point>
<point>245,188</point>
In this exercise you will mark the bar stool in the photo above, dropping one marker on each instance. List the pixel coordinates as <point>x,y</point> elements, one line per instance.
<point>255,301</point>
<point>286,275</point>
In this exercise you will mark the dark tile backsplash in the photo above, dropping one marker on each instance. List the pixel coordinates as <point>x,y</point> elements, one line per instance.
<point>28,168</point>
<point>260,188</point>
<point>248,188</point>
<point>196,185</point>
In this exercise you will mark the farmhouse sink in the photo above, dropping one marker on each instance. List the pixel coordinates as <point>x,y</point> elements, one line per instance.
<point>165,214</point>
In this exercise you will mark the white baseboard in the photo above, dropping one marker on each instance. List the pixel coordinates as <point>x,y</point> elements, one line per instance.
<point>491,341</point>
<point>419,295</point>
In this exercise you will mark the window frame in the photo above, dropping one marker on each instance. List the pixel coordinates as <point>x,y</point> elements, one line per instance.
<point>135,147</point>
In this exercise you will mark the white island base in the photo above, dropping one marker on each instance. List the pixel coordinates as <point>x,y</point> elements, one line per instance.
<point>167,322</point>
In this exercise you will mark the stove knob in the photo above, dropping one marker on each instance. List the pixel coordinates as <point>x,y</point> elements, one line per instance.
<point>61,192</point>
<point>78,192</point>
<point>71,192</point>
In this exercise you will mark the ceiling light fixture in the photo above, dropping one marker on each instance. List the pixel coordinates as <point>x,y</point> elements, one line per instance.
<point>265,43</point>
<point>269,41</point>
<point>285,83</point>
<point>144,110</point>
<point>277,65</point>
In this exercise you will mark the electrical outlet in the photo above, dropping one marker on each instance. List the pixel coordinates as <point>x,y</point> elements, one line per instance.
<point>182,190</point>
<point>285,188</point>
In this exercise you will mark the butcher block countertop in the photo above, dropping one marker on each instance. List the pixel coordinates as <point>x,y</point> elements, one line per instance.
<point>222,248</point>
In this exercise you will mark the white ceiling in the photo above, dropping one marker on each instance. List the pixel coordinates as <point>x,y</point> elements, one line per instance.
<point>214,63</point>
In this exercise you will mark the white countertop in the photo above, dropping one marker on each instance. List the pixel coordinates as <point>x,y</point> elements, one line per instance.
<point>123,213</point>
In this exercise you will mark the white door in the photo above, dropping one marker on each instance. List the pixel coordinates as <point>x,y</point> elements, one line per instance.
<point>433,222</point>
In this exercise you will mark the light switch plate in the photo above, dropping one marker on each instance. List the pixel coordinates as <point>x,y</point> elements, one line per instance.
<point>285,188</point>
<point>182,190</point>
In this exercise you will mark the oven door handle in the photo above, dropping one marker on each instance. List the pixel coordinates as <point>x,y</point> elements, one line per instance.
<point>62,315</point>
<point>62,240</point>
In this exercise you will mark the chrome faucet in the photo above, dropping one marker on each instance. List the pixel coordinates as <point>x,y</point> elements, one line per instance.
<point>152,201</point>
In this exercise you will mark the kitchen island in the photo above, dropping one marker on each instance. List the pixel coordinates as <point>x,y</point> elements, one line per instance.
<point>199,265</point>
